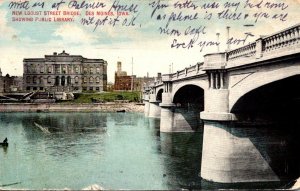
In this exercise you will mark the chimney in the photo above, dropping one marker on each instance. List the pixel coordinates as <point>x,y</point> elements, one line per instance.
<point>159,75</point>
<point>55,53</point>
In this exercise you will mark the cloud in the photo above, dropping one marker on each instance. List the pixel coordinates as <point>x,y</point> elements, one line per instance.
<point>72,34</point>
<point>6,31</point>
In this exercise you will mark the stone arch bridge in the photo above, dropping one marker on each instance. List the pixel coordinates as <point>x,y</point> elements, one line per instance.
<point>234,96</point>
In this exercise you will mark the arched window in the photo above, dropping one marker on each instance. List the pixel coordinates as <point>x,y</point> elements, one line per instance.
<point>76,79</point>
<point>63,80</point>
<point>97,79</point>
<point>91,70</point>
<point>57,80</point>
<point>91,80</point>
<point>41,80</point>
<point>34,79</point>
<point>84,79</point>
<point>49,80</point>
<point>69,80</point>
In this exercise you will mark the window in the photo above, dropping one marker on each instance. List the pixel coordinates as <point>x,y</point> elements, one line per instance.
<point>69,80</point>
<point>64,69</point>
<point>41,88</point>
<point>97,80</point>
<point>57,80</point>
<point>91,88</point>
<point>49,80</point>
<point>27,88</point>
<point>49,69</point>
<point>41,81</point>
<point>91,80</point>
<point>85,70</point>
<point>70,69</point>
<point>57,69</point>
<point>63,80</point>
<point>28,79</point>
<point>34,79</point>
<point>91,70</point>
<point>42,69</point>
<point>84,79</point>
<point>76,80</point>
<point>84,88</point>
<point>76,69</point>
<point>97,88</point>
<point>98,70</point>
<point>34,88</point>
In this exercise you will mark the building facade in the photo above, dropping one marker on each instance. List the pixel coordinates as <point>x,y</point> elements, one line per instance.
<point>10,84</point>
<point>64,73</point>
<point>123,82</point>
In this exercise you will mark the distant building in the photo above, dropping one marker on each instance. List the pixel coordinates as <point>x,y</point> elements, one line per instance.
<point>64,73</point>
<point>123,81</point>
<point>10,84</point>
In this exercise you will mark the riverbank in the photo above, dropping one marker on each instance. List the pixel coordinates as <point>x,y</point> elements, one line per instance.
<point>71,107</point>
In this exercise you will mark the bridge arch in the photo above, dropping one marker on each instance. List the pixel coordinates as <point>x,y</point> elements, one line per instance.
<point>189,101</point>
<point>202,84</point>
<point>260,78</point>
<point>159,94</point>
<point>273,112</point>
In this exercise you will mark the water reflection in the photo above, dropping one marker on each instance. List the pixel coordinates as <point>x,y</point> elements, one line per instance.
<point>182,158</point>
<point>126,151</point>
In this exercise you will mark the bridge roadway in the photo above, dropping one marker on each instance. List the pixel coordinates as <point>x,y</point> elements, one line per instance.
<point>253,84</point>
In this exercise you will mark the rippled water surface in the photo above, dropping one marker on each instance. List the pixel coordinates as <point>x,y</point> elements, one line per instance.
<point>113,150</point>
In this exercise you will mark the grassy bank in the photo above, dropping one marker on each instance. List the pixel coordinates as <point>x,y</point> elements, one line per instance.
<point>105,97</point>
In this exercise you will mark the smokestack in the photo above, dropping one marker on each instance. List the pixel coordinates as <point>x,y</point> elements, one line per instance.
<point>228,44</point>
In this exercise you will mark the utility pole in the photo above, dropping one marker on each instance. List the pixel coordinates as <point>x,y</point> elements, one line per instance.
<point>218,41</point>
<point>228,36</point>
<point>131,73</point>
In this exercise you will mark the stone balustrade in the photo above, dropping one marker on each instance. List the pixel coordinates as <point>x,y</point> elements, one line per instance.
<point>245,51</point>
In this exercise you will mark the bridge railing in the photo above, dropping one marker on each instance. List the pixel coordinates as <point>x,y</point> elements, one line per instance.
<point>282,39</point>
<point>245,51</point>
<point>281,42</point>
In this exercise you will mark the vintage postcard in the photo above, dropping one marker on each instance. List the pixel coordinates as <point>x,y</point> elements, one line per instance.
<point>149,94</point>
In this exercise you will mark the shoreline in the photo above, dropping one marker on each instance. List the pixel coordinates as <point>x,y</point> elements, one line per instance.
<point>71,107</point>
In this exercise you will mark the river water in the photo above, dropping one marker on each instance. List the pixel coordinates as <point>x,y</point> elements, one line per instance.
<point>113,150</point>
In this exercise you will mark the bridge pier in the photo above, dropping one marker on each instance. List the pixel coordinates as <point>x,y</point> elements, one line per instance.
<point>167,113</point>
<point>229,156</point>
<point>147,104</point>
<point>154,109</point>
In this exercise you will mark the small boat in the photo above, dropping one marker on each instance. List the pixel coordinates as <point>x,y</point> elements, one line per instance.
<point>4,143</point>
<point>121,111</point>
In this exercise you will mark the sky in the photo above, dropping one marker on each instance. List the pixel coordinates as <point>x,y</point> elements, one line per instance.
<point>142,45</point>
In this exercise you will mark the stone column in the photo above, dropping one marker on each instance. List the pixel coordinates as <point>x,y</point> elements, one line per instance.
<point>167,113</point>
